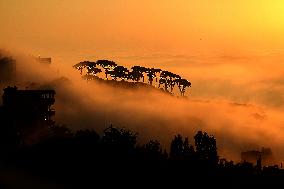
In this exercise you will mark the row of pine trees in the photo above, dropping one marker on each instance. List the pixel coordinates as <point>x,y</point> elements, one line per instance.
<point>164,78</point>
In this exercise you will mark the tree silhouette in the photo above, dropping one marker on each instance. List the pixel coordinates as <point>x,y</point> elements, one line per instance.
<point>136,74</point>
<point>152,150</point>
<point>151,73</point>
<point>85,64</point>
<point>172,80</point>
<point>206,149</point>
<point>91,70</point>
<point>119,142</point>
<point>176,150</point>
<point>168,79</point>
<point>188,150</point>
<point>182,85</point>
<point>165,79</point>
<point>79,66</point>
<point>142,70</point>
<point>119,72</point>
<point>107,65</point>
<point>181,149</point>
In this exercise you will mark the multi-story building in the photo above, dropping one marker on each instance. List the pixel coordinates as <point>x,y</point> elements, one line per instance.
<point>27,112</point>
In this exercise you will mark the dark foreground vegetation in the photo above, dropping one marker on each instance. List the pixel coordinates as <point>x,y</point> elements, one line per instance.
<point>86,159</point>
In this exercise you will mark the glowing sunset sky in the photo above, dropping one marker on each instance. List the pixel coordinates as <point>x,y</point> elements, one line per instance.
<point>83,28</point>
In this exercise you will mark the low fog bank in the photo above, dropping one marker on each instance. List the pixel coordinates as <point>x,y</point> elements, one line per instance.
<point>81,104</point>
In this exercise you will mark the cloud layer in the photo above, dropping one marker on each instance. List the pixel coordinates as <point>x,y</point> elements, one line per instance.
<point>242,114</point>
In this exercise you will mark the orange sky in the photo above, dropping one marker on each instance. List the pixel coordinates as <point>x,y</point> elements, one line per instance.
<point>79,29</point>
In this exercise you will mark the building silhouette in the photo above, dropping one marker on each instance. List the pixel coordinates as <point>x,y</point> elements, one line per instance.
<point>27,111</point>
<point>44,60</point>
<point>253,156</point>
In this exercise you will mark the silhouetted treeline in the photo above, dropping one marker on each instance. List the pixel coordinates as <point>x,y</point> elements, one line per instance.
<point>121,144</point>
<point>164,79</point>
<point>83,157</point>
